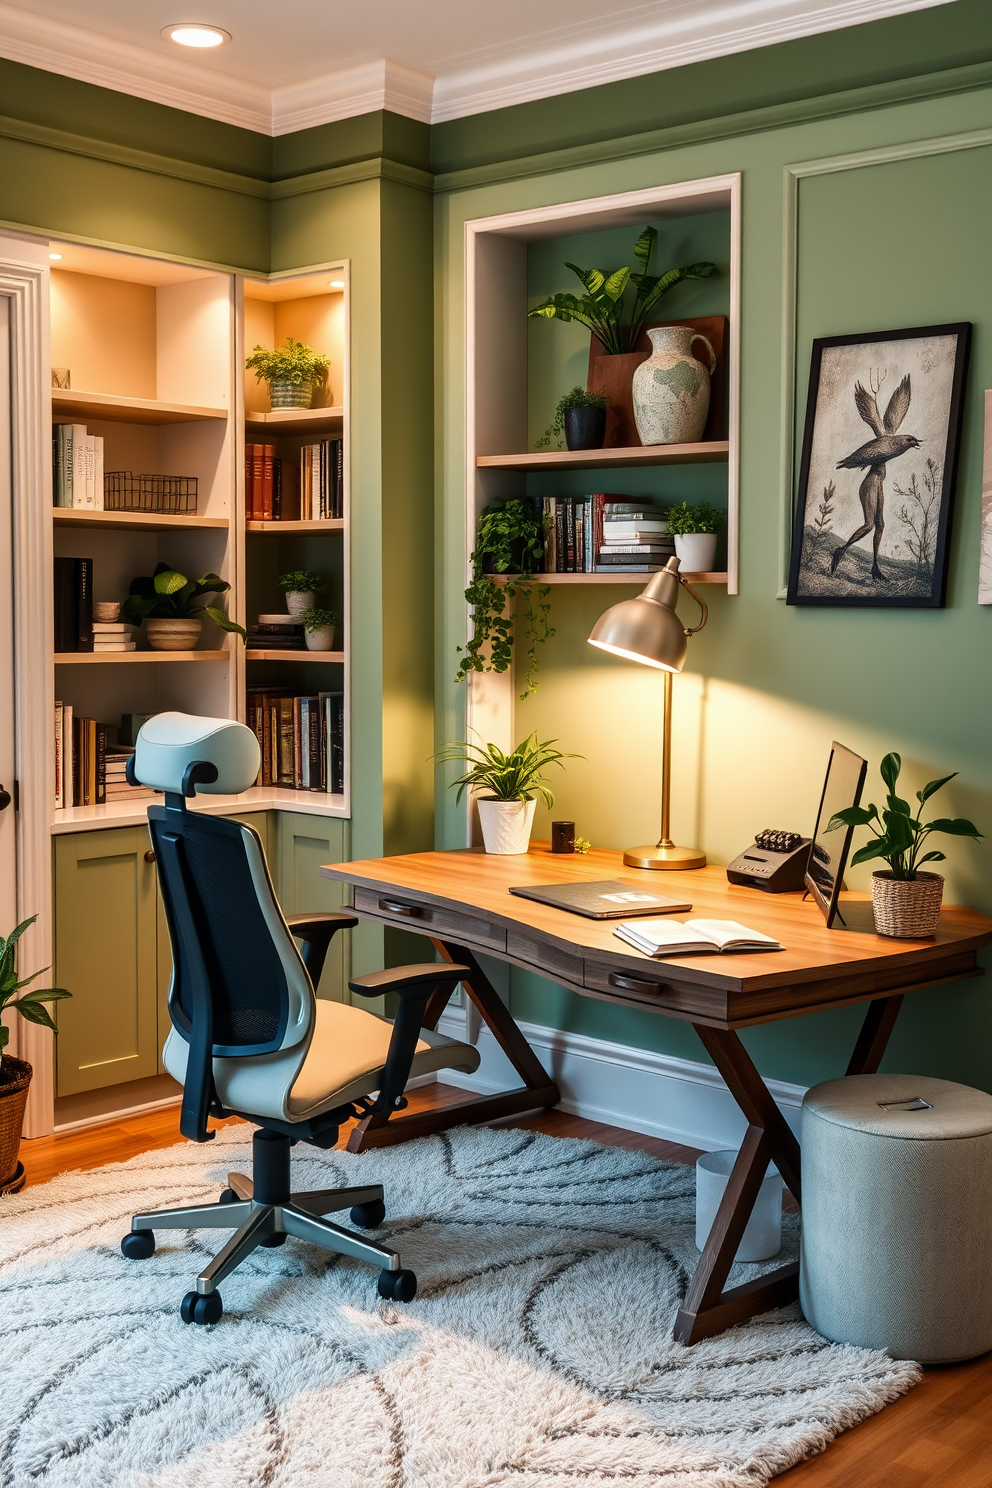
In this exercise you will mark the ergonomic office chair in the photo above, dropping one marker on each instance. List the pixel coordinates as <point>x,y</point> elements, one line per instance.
<point>249,1038</point>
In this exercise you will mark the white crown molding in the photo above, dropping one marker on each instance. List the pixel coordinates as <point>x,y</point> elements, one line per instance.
<point>564,62</point>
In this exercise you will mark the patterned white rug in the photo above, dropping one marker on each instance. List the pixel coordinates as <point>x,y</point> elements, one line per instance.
<point>538,1353</point>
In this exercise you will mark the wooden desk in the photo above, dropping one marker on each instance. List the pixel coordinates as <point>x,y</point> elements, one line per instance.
<point>460,901</point>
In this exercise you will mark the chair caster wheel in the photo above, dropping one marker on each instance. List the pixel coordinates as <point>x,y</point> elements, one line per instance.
<point>271,1241</point>
<point>228,1196</point>
<point>397,1286</point>
<point>202,1310</point>
<point>138,1245</point>
<point>369,1216</point>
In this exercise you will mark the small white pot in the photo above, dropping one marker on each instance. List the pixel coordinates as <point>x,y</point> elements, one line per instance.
<point>298,600</point>
<point>322,639</point>
<point>696,551</point>
<point>506,825</point>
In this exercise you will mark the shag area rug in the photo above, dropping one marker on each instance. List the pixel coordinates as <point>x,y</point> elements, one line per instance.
<point>537,1354</point>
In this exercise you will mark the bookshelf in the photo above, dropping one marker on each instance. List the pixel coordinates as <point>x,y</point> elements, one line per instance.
<point>128,410</point>
<point>715,451</point>
<point>640,579</point>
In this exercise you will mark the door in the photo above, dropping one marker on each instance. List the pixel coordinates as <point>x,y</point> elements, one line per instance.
<point>8,866</point>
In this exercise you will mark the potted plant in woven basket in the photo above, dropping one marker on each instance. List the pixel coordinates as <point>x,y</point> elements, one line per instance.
<point>169,604</point>
<point>905,900</point>
<point>512,782</point>
<point>292,371</point>
<point>15,1074</point>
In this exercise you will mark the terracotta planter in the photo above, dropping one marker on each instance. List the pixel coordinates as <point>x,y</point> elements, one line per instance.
<point>174,635</point>
<point>283,394</point>
<point>696,551</point>
<point>506,825</point>
<point>322,639</point>
<point>298,600</point>
<point>15,1077</point>
<point>906,909</point>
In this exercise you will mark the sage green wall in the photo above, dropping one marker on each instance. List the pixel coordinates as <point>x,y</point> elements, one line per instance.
<point>900,239</point>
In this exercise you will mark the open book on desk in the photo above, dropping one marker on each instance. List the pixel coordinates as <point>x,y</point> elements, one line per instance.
<point>693,937</point>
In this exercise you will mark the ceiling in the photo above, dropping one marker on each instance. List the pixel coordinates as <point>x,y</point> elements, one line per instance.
<point>293,64</point>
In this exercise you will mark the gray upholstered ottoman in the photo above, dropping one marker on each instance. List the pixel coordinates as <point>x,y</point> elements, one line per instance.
<point>897,1215</point>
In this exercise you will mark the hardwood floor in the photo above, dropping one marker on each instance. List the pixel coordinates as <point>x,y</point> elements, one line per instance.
<point>937,1436</point>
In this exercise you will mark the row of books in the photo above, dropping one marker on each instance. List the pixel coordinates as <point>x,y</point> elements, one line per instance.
<point>301,738</point>
<point>90,766</point>
<point>77,467</point>
<point>602,533</point>
<point>281,491</point>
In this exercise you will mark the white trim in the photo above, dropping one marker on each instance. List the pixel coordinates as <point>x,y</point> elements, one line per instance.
<point>636,1089</point>
<point>562,60</point>
<point>106,1118</point>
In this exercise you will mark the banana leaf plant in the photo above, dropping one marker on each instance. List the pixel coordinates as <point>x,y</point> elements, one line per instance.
<point>899,836</point>
<point>169,595</point>
<point>606,301</point>
<point>28,1004</point>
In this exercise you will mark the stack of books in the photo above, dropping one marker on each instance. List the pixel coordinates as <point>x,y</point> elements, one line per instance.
<point>90,765</point>
<point>74,604</point>
<point>272,486</point>
<point>635,538</point>
<point>572,532</point>
<point>322,480</point>
<point>301,738</point>
<point>115,774</point>
<point>77,467</point>
<point>276,633</point>
<point>116,636</point>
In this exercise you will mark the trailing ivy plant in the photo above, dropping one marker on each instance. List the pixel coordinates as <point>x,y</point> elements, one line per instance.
<point>511,538</point>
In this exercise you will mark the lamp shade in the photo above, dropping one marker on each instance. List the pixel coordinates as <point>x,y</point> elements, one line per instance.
<point>646,629</point>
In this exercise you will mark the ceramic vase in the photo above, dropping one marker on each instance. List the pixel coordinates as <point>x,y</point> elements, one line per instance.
<point>506,825</point>
<point>696,551</point>
<point>298,601</point>
<point>671,390</point>
<point>906,908</point>
<point>321,639</point>
<point>284,394</point>
<point>174,635</point>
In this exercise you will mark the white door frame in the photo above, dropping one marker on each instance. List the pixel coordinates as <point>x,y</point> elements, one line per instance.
<point>24,285</point>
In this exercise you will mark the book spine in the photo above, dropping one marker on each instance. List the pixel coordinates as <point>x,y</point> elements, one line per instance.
<point>338,478</point>
<point>249,484</point>
<point>68,756</point>
<point>79,465</point>
<point>77,762</point>
<point>268,457</point>
<point>69,468</point>
<point>266,705</point>
<point>277,469</point>
<point>254,716</point>
<point>59,785</point>
<point>338,742</point>
<point>66,604</point>
<point>98,472</point>
<point>313,744</point>
<point>297,743</point>
<point>559,534</point>
<point>258,481</point>
<point>100,750</point>
<point>84,612</point>
<point>284,742</point>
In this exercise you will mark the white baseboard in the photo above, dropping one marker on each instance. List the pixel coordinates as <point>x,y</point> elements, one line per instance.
<point>658,1094</point>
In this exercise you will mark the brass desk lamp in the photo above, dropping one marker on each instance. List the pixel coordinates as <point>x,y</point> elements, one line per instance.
<point>647,629</point>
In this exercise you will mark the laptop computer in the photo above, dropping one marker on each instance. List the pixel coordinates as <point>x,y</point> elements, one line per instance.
<point>604,899</point>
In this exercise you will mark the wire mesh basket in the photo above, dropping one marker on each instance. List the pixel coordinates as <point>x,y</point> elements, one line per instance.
<point>174,495</point>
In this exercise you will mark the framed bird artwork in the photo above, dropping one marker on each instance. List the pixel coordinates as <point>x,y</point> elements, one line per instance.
<point>876,481</point>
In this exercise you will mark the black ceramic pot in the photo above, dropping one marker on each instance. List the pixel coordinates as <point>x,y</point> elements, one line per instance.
<point>585,428</point>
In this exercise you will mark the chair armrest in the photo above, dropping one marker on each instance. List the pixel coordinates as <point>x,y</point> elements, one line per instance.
<point>414,985</point>
<point>316,931</point>
<point>409,981</point>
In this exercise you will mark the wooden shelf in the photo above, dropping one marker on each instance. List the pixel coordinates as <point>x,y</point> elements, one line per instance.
<point>70,516</point>
<point>113,406</point>
<point>282,655</point>
<point>652,454</point>
<point>118,658</point>
<point>318,524</point>
<point>608,578</point>
<point>131,813</point>
<point>295,420</point>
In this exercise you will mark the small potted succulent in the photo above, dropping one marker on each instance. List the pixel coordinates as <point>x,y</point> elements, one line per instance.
<point>15,1074</point>
<point>318,626</point>
<point>695,531</point>
<point>301,589</point>
<point>581,417</point>
<point>292,371</point>
<point>905,900</point>
<point>511,784</point>
<point>169,604</point>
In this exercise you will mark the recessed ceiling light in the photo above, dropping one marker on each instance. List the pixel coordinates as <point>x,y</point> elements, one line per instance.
<point>193,34</point>
<point>55,255</point>
<point>336,283</point>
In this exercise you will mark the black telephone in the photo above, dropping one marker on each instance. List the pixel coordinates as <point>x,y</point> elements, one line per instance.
<point>775,862</point>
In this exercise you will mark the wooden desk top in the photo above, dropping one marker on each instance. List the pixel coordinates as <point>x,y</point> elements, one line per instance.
<point>462,897</point>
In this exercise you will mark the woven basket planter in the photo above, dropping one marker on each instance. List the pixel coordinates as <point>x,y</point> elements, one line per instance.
<point>906,908</point>
<point>13,1099</point>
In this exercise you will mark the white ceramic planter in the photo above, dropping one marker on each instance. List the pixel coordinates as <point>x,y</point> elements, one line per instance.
<point>696,551</point>
<point>506,825</point>
<point>298,600</point>
<point>321,640</point>
<point>174,635</point>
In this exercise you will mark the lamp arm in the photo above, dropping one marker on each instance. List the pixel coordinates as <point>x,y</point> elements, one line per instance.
<point>704,613</point>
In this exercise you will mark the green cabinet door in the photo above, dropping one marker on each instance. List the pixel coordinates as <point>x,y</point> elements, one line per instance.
<point>105,955</point>
<point>303,844</point>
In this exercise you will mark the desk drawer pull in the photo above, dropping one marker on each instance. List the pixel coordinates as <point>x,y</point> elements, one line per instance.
<point>635,984</point>
<point>408,911</point>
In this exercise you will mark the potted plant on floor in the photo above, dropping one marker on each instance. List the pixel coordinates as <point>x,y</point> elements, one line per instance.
<point>510,541</point>
<point>695,530</point>
<point>301,588</point>
<point>169,604</point>
<point>318,626</point>
<point>292,371</point>
<point>512,783</point>
<point>15,1074</point>
<point>905,901</point>
<point>581,418</point>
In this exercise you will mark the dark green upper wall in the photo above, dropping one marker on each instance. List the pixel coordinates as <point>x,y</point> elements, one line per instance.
<point>347,140</point>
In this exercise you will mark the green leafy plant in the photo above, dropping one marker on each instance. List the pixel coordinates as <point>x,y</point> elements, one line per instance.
<point>301,581</point>
<point>28,1004</point>
<point>684,519</point>
<point>518,776</point>
<point>316,619</point>
<point>576,397</point>
<point>582,845</point>
<point>899,836</point>
<point>511,538</point>
<point>606,308</point>
<point>169,595</point>
<point>292,362</point>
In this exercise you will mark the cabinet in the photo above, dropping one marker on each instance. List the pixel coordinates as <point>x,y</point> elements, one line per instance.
<point>302,844</point>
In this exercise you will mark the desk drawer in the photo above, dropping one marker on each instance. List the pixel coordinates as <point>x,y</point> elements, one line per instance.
<point>410,913</point>
<point>650,987</point>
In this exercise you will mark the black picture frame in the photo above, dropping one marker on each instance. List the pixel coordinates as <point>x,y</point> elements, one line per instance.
<point>914,575</point>
<point>842,787</point>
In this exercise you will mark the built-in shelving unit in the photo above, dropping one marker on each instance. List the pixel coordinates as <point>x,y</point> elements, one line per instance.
<point>712,453</point>
<point>281,421</point>
<point>129,410</point>
<point>120,521</point>
<point>132,658</point>
<point>285,529</point>
<point>640,579</point>
<point>321,658</point>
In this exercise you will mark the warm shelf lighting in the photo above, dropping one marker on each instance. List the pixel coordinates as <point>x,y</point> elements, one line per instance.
<point>336,283</point>
<point>55,256</point>
<point>193,34</point>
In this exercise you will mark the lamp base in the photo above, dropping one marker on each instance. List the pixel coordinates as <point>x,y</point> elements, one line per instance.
<point>664,857</point>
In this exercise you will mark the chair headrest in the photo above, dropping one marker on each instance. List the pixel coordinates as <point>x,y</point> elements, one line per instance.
<point>168,743</point>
